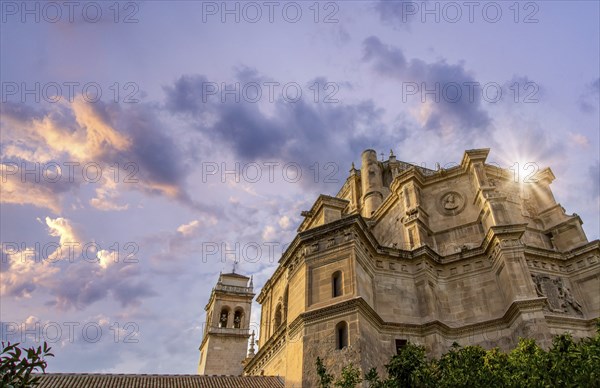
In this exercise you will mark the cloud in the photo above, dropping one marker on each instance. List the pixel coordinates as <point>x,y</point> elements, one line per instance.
<point>107,258</point>
<point>107,196</point>
<point>21,274</point>
<point>23,188</point>
<point>594,176</point>
<point>290,132</point>
<point>83,283</point>
<point>522,89</point>
<point>74,277</point>
<point>189,228</point>
<point>590,98</point>
<point>62,228</point>
<point>387,60</point>
<point>398,13</point>
<point>458,106</point>
<point>284,222</point>
<point>175,247</point>
<point>269,233</point>
<point>77,129</point>
<point>579,139</point>
<point>104,136</point>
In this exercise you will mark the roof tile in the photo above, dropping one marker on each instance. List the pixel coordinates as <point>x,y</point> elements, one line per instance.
<point>91,380</point>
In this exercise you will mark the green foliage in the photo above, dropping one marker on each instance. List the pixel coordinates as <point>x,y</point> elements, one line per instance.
<point>574,364</point>
<point>526,362</point>
<point>372,377</point>
<point>325,378</point>
<point>350,377</point>
<point>471,366</point>
<point>409,368</point>
<point>17,365</point>
<point>567,363</point>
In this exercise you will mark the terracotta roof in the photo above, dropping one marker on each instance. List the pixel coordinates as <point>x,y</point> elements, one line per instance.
<point>92,380</point>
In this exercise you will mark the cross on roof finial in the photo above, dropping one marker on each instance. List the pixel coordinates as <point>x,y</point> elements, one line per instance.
<point>381,156</point>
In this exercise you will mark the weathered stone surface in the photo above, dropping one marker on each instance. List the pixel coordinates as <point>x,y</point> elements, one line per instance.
<point>461,255</point>
<point>226,330</point>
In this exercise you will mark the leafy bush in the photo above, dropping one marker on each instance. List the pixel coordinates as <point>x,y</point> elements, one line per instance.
<point>17,365</point>
<point>567,363</point>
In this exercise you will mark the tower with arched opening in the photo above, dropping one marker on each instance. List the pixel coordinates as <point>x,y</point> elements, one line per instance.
<point>227,327</point>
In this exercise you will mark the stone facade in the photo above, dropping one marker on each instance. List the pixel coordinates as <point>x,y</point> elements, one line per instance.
<point>404,253</point>
<point>226,331</point>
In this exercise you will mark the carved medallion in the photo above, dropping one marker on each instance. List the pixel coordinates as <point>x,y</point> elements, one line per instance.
<point>451,203</point>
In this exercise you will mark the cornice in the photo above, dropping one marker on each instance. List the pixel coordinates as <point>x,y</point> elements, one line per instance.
<point>557,320</point>
<point>321,201</point>
<point>359,305</point>
<point>493,236</point>
<point>224,332</point>
<point>473,156</point>
<point>564,223</point>
<point>268,350</point>
<point>587,248</point>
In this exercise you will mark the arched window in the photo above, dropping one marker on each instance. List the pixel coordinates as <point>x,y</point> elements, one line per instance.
<point>224,317</point>
<point>285,301</point>
<point>237,318</point>
<point>336,283</point>
<point>341,335</point>
<point>277,320</point>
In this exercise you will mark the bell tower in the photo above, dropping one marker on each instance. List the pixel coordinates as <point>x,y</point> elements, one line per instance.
<point>226,330</point>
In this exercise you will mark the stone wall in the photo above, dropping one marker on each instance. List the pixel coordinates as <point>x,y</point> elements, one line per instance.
<point>462,255</point>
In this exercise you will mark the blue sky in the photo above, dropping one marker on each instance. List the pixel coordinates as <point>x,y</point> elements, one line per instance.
<point>143,167</point>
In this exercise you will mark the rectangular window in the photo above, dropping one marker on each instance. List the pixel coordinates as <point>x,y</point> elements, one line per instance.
<point>400,343</point>
<point>336,284</point>
<point>411,237</point>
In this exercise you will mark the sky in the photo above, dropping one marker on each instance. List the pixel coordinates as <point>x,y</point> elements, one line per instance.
<point>147,146</point>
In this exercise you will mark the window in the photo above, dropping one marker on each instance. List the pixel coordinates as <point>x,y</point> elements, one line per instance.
<point>278,320</point>
<point>336,283</point>
<point>223,318</point>
<point>237,319</point>
<point>411,237</point>
<point>285,301</point>
<point>341,335</point>
<point>400,343</point>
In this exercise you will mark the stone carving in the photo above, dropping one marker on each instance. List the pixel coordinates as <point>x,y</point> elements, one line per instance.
<point>451,203</point>
<point>330,242</point>
<point>569,301</point>
<point>511,243</point>
<point>348,235</point>
<point>530,208</point>
<point>558,295</point>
